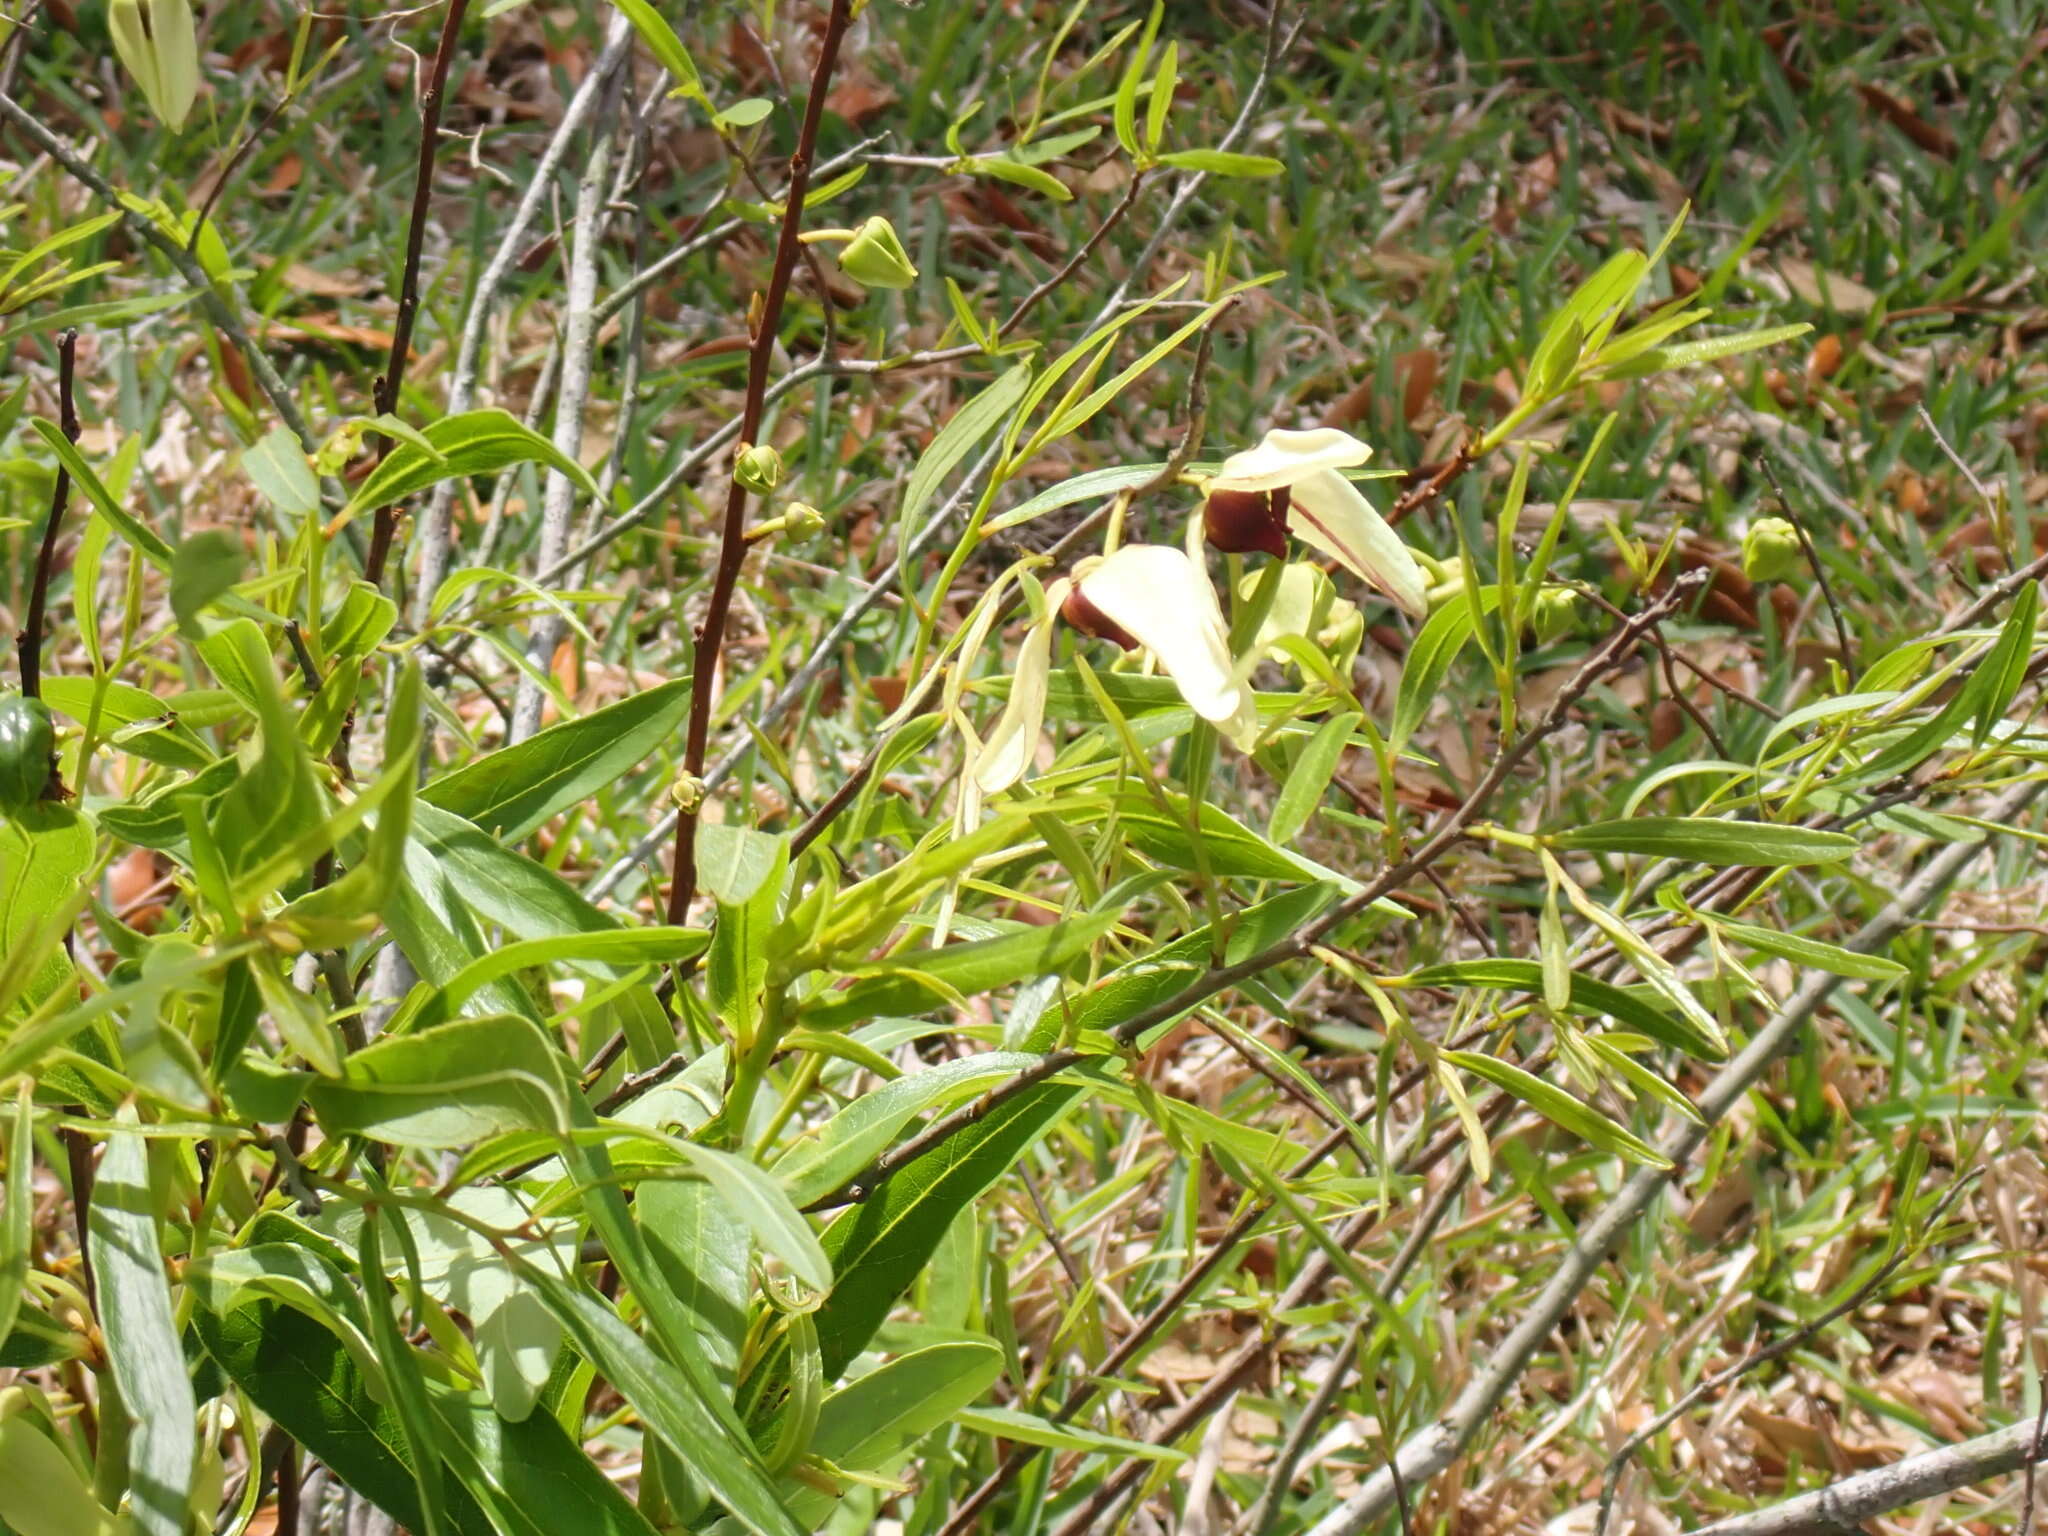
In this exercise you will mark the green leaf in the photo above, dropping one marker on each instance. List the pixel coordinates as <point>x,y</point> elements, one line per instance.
<point>1708,840</point>
<point>1222,162</point>
<point>404,1386</point>
<point>667,48</point>
<point>495,883</point>
<point>959,437</point>
<point>766,1211</point>
<point>736,974</point>
<point>146,543</point>
<point>667,1406</point>
<point>823,1159</point>
<point>868,1423</point>
<point>924,978</point>
<point>1707,349</point>
<point>1997,680</point>
<point>1590,997</point>
<point>474,443</point>
<point>447,1087</point>
<point>41,1493</point>
<point>142,1335</point>
<point>1446,632</point>
<point>1559,1107</point>
<point>1029,1429</point>
<point>1094,484</point>
<point>530,1478</point>
<point>510,792</point>
<point>1228,847</point>
<point>621,946</point>
<point>706,1257</point>
<point>1019,174</point>
<point>203,567</point>
<point>15,1228</point>
<point>1802,950</point>
<point>304,1378</point>
<point>1301,791</point>
<point>881,1245</point>
<point>279,469</point>
<point>277,798</point>
<point>46,852</point>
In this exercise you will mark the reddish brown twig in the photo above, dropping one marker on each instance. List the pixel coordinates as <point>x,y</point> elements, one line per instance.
<point>29,646</point>
<point>732,544</point>
<point>385,395</point>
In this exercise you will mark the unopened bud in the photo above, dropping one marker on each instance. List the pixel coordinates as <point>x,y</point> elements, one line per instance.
<point>687,792</point>
<point>156,44</point>
<point>1247,522</point>
<point>1555,615</point>
<point>802,518</point>
<point>875,258</point>
<point>1770,550</point>
<point>758,469</point>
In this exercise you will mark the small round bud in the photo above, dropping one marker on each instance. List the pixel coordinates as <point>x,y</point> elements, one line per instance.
<point>1247,522</point>
<point>687,792</point>
<point>803,518</point>
<point>875,258</point>
<point>1090,620</point>
<point>1555,615</point>
<point>1770,550</point>
<point>758,469</point>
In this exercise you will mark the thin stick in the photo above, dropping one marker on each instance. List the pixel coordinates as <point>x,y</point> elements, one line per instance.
<point>433,523</point>
<point>1820,574</point>
<point>29,646</point>
<point>1846,1505</point>
<point>579,355</point>
<point>732,546</point>
<point>385,394</point>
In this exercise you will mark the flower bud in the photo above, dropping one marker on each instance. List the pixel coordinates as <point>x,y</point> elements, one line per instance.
<point>156,43</point>
<point>1090,620</point>
<point>802,519</point>
<point>1247,522</point>
<point>758,469</point>
<point>687,792</point>
<point>1770,550</point>
<point>875,258</point>
<point>1555,615</point>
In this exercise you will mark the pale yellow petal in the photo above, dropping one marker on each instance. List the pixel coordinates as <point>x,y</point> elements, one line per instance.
<point>1287,458</point>
<point>1327,512</point>
<point>1163,600</point>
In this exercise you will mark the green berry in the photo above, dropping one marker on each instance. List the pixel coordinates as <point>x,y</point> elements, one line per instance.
<point>28,743</point>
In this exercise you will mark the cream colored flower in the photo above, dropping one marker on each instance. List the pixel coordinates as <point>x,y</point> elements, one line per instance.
<point>1293,482</point>
<point>1147,597</point>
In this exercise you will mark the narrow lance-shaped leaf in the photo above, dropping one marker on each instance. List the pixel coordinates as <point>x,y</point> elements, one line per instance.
<point>142,1336</point>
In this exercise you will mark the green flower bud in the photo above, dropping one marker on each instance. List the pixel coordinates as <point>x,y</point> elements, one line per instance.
<point>156,43</point>
<point>28,744</point>
<point>687,792</point>
<point>1555,615</point>
<point>1771,550</point>
<point>759,469</point>
<point>802,519</point>
<point>875,258</point>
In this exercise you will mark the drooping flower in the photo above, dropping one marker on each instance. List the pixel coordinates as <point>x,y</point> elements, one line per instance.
<point>1293,482</point>
<point>1148,597</point>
